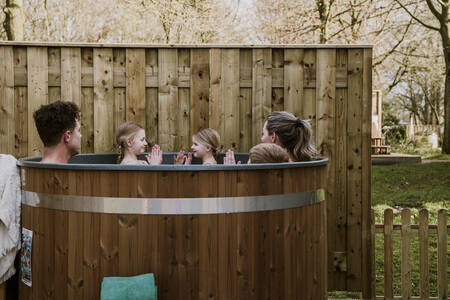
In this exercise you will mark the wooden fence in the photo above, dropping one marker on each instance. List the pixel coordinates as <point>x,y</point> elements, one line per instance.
<point>173,91</point>
<point>423,229</point>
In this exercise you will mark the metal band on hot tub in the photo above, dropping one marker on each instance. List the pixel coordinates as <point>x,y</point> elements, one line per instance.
<point>172,206</point>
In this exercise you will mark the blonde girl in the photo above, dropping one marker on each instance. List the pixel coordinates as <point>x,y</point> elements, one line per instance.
<point>294,135</point>
<point>131,142</point>
<point>205,145</point>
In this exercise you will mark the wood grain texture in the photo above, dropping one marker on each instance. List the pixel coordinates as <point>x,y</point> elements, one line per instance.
<point>7,113</point>
<point>224,256</point>
<point>71,75</point>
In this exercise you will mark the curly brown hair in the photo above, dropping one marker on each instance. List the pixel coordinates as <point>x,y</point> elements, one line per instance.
<point>268,153</point>
<point>53,119</point>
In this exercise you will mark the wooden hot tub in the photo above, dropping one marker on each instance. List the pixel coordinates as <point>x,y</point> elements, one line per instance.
<point>206,232</point>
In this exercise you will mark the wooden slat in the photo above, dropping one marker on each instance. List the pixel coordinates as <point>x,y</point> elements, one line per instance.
<point>135,85</point>
<point>230,97</point>
<point>277,92</point>
<point>372,259</point>
<point>120,99</point>
<point>215,102</point>
<point>308,105</point>
<point>54,74</point>
<point>37,93</point>
<point>199,92</point>
<point>87,106</point>
<point>366,164</point>
<point>71,75</point>
<point>151,99</point>
<point>75,256</point>
<point>7,113</point>
<point>183,139</point>
<point>354,169</point>
<point>168,98</point>
<point>406,254</point>
<point>442,255</point>
<point>245,103</point>
<point>21,107</point>
<point>103,100</point>
<point>261,91</point>
<point>293,81</point>
<point>388,255</point>
<point>424,273</point>
<point>3,291</point>
<point>432,229</point>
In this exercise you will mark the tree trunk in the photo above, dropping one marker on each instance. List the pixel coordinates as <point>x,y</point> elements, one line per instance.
<point>446,45</point>
<point>14,20</point>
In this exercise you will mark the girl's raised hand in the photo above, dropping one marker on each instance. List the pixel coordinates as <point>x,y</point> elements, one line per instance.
<point>155,158</point>
<point>188,159</point>
<point>229,158</point>
<point>179,158</point>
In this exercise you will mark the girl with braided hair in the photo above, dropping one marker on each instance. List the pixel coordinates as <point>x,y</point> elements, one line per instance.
<point>294,135</point>
<point>205,145</point>
<point>131,142</point>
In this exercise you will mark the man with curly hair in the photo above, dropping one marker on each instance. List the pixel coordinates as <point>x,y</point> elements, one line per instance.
<point>58,125</point>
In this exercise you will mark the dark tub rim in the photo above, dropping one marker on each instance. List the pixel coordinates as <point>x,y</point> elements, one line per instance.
<point>34,162</point>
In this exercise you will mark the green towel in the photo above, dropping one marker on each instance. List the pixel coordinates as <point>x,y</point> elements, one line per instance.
<point>140,287</point>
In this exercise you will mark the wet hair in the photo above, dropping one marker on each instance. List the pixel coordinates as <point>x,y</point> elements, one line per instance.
<point>124,132</point>
<point>295,135</point>
<point>210,138</point>
<point>53,119</point>
<point>266,153</point>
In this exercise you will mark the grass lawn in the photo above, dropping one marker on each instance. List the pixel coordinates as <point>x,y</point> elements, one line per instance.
<point>412,186</point>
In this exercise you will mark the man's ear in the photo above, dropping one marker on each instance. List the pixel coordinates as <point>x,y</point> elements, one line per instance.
<point>274,137</point>
<point>66,136</point>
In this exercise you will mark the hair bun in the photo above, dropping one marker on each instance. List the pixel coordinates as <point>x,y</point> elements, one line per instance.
<point>298,123</point>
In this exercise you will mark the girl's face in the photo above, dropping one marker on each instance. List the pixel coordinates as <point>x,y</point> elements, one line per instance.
<point>138,144</point>
<point>265,136</point>
<point>199,149</point>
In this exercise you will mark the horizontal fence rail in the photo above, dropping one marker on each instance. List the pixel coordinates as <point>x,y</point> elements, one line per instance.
<point>406,230</point>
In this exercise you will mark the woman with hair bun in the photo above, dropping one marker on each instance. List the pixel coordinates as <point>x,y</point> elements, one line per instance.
<point>294,135</point>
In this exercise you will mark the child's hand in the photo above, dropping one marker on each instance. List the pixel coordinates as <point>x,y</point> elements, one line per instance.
<point>188,159</point>
<point>155,158</point>
<point>179,159</point>
<point>229,158</point>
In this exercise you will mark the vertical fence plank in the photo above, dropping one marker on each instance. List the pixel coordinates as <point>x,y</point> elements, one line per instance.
<point>120,99</point>
<point>245,106</point>
<point>366,163</point>
<point>87,105</point>
<point>7,122</point>
<point>388,254</point>
<point>135,85</point>
<point>338,219</point>
<point>168,98</point>
<point>406,254</point>
<point>424,281</point>
<point>215,101</point>
<point>54,74</point>
<point>372,259</point>
<point>278,77</point>
<point>21,106</point>
<point>151,98</point>
<point>354,168</point>
<point>71,74</point>
<point>293,81</point>
<point>442,255</point>
<point>308,104</point>
<point>230,98</point>
<point>37,75</point>
<point>103,100</point>
<point>261,90</point>
<point>183,138</point>
<point>199,95</point>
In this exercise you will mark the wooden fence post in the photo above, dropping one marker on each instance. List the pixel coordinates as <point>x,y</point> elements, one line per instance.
<point>424,281</point>
<point>406,254</point>
<point>388,253</point>
<point>442,255</point>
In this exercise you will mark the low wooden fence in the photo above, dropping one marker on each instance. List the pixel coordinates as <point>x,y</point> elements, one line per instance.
<point>413,130</point>
<point>406,230</point>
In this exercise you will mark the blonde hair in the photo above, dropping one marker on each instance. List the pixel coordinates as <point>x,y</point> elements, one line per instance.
<point>295,135</point>
<point>125,131</point>
<point>209,138</point>
<point>266,153</point>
